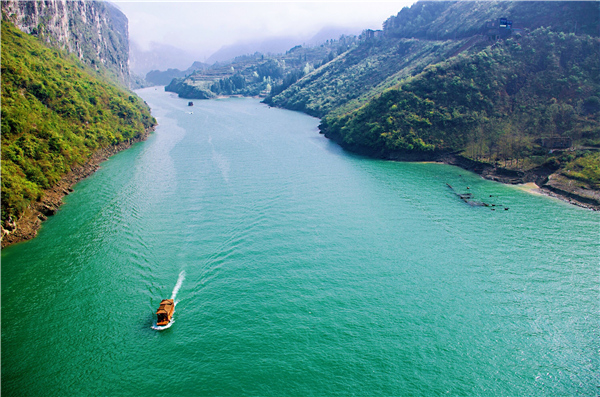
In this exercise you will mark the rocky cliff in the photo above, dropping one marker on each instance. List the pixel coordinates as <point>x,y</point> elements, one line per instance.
<point>60,119</point>
<point>95,31</point>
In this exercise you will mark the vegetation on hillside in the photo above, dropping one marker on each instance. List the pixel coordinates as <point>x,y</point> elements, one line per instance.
<point>442,20</point>
<point>55,114</point>
<point>257,74</point>
<point>494,105</point>
<point>426,33</point>
<point>96,33</point>
<point>353,78</point>
<point>437,80</point>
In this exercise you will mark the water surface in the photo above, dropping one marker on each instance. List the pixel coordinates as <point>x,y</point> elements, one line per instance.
<point>303,271</point>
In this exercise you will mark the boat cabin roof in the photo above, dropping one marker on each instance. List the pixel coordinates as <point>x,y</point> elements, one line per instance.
<point>165,306</point>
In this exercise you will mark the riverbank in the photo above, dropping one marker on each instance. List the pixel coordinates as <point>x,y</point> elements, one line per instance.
<point>550,181</point>
<point>27,226</point>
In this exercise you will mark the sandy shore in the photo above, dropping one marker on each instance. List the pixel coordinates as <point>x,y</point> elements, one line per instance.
<point>532,188</point>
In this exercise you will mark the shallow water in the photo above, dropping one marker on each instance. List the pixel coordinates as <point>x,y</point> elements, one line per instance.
<point>307,271</point>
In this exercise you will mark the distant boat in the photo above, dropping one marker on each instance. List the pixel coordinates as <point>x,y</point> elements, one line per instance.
<point>165,312</point>
<point>190,103</point>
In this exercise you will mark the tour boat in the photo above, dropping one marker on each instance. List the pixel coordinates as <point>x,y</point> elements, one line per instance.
<point>165,312</point>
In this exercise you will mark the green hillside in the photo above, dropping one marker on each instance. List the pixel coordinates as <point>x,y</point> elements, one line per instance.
<point>426,33</point>
<point>54,116</point>
<point>493,104</point>
<point>442,20</point>
<point>361,73</point>
<point>444,77</point>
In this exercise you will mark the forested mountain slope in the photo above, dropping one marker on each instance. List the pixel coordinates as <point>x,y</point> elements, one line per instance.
<point>442,20</point>
<point>424,34</point>
<point>443,78</point>
<point>257,74</point>
<point>55,114</point>
<point>499,100</point>
<point>357,75</point>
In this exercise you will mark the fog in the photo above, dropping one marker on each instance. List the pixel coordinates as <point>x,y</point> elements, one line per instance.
<point>173,34</point>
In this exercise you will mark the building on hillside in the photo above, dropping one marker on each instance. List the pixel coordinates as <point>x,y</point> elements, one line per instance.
<point>370,34</point>
<point>500,29</point>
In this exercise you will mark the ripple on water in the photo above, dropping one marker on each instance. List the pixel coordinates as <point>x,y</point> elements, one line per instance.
<point>308,271</point>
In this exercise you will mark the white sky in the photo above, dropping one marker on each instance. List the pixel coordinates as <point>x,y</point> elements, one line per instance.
<point>204,27</point>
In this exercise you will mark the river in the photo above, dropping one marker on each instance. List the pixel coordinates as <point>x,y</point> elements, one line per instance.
<point>298,270</point>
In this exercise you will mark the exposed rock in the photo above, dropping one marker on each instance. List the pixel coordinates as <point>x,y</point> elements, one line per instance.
<point>573,191</point>
<point>95,31</point>
<point>10,225</point>
<point>47,210</point>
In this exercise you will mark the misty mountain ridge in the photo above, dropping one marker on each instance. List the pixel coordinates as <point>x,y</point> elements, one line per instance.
<point>158,57</point>
<point>279,45</point>
<point>228,54</point>
<point>164,57</point>
<point>158,77</point>
<point>332,33</point>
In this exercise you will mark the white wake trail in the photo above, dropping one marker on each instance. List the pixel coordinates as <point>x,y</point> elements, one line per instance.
<point>178,285</point>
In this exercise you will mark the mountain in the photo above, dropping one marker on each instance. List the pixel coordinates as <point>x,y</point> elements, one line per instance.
<point>502,88</point>
<point>253,73</point>
<point>331,33</point>
<point>494,103</point>
<point>60,115</point>
<point>451,20</point>
<point>94,31</point>
<point>157,77</point>
<point>360,73</point>
<point>279,45</point>
<point>257,74</point>
<point>268,46</point>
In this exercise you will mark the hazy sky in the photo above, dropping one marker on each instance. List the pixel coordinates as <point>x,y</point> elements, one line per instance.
<point>204,27</point>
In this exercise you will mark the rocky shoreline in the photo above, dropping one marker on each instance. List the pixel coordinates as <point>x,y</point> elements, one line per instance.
<point>27,226</point>
<point>549,181</point>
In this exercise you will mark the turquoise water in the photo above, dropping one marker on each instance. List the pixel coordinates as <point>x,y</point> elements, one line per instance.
<point>298,270</point>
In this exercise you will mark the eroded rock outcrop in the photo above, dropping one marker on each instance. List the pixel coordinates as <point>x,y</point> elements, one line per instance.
<point>96,32</point>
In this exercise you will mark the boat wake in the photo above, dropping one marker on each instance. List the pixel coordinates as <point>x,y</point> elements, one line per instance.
<point>180,280</point>
<point>178,284</point>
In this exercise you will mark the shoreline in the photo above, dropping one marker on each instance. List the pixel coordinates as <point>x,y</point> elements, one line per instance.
<point>544,180</point>
<point>547,180</point>
<point>27,226</point>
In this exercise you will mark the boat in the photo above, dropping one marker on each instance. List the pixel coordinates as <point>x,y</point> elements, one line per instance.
<point>165,312</point>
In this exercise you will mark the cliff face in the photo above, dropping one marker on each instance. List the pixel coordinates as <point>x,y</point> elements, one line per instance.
<point>96,32</point>
<point>59,120</point>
